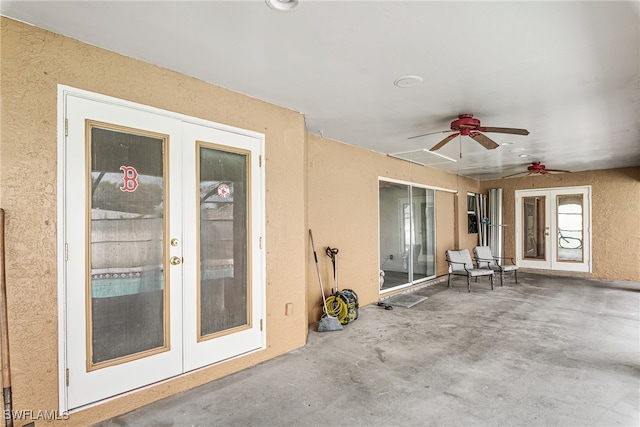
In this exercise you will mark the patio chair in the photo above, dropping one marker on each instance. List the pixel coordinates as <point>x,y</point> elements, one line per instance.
<point>460,264</point>
<point>485,260</point>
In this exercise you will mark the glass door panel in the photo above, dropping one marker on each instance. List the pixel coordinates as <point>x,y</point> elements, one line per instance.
<point>419,235</point>
<point>126,247</point>
<point>224,291</point>
<point>428,256</point>
<point>535,228</point>
<point>570,227</point>
<point>395,233</point>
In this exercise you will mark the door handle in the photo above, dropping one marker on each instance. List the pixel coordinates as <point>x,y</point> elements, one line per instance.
<point>175,260</point>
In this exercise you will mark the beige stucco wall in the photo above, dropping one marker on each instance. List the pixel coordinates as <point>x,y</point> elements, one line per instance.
<point>615,221</point>
<point>343,213</point>
<point>33,63</point>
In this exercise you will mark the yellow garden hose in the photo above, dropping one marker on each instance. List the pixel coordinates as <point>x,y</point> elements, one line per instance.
<point>337,307</point>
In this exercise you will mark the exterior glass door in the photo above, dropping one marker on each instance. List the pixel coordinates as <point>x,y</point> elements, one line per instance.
<point>122,291</point>
<point>552,228</point>
<point>222,247</point>
<point>163,263</point>
<point>407,234</point>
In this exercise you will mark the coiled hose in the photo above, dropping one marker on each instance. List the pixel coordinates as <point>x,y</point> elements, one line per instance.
<point>337,307</point>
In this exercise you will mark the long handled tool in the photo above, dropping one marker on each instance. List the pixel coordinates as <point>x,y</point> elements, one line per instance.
<point>342,304</point>
<point>333,254</point>
<point>4,333</point>
<point>327,322</point>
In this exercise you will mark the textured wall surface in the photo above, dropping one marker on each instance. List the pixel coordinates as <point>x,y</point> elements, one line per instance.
<point>615,219</point>
<point>343,213</point>
<point>34,62</point>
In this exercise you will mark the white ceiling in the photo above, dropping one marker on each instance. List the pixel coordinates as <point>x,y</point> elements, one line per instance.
<point>569,72</point>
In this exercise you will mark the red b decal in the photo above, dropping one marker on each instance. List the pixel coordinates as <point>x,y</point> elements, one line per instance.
<point>129,178</point>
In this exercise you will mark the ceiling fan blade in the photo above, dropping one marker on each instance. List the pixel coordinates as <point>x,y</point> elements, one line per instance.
<point>552,177</point>
<point>525,174</point>
<point>441,144</point>
<point>484,140</point>
<point>512,131</point>
<point>557,171</point>
<point>430,133</point>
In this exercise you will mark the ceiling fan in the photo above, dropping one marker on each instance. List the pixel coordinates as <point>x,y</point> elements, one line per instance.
<point>467,125</point>
<point>537,168</point>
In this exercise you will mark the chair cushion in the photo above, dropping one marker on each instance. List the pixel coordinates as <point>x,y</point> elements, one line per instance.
<point>460,256</point>
<point>484,253</point>
<point>480,272</point>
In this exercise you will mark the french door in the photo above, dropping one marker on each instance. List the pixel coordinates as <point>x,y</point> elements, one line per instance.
<point>553,228</point>
<point>162,262</point>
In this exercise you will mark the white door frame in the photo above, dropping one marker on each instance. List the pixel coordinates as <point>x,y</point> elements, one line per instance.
<point>258,224</point>
<point>552,262</point>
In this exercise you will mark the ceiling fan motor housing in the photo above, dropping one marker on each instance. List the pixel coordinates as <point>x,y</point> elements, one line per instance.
<point>465,124</point>
<point>537,167</point>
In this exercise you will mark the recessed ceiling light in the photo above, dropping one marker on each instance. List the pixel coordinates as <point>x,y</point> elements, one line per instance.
<point>282,5</point>
<point>408,81</point>
<point>523,155</point>
<point>507,143</point>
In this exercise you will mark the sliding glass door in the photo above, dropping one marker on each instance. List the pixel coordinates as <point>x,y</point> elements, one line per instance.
<point>407,234</point>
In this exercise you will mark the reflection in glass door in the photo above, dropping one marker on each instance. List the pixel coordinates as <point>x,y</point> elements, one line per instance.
<point>224,291</point>
<point>535,228</point>
<point>126,278</point>
<point>570,222</point>
<point>407,234</point>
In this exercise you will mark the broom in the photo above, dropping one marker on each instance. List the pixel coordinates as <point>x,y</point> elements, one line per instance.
<point>327,323</point>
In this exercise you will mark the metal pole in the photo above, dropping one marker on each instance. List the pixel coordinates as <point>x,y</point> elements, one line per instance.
<point>4,333</point>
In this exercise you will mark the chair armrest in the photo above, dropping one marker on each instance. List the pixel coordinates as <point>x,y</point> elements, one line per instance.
<point>487,260</point>
<point>506,257</point>
<point>464,264</point>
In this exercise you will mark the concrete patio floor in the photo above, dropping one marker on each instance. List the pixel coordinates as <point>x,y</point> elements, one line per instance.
<point>549,350</point>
